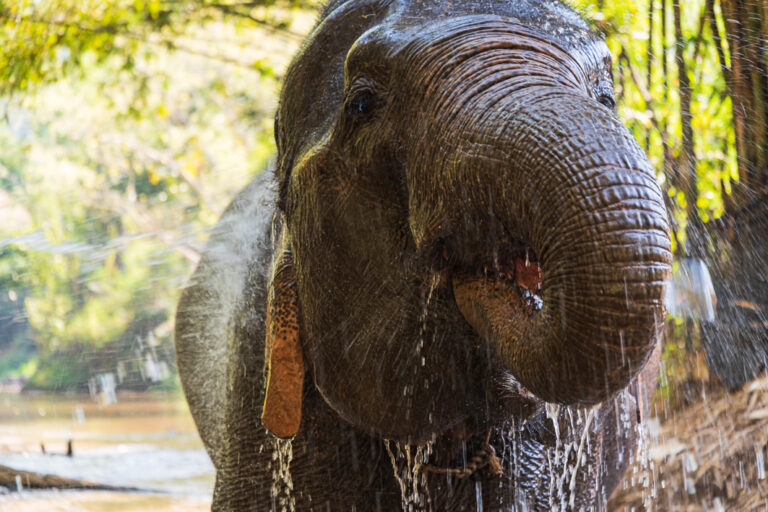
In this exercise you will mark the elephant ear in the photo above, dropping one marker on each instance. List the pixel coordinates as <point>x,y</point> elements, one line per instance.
<point>281,414</point>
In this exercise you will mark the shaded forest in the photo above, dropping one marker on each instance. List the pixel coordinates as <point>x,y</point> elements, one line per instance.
<point>127,126</point>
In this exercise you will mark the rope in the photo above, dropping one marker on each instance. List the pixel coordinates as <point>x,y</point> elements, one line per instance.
<point>485,457</point>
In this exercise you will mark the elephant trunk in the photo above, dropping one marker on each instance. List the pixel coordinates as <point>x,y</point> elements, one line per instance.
<point>554,172</point>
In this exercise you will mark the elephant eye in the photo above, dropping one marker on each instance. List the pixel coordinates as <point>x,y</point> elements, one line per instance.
<point>362,104</point>
<point>607,100</point>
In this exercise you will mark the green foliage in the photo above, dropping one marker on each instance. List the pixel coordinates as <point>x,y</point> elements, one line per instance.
<point>652,109</point>
<point>129,127</point>
<point>46,40</point>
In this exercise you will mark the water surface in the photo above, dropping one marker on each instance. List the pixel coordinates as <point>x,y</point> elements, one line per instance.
<point>144,440</point>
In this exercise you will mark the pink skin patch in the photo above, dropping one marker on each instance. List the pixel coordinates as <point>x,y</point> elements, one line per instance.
<point>528,275</point>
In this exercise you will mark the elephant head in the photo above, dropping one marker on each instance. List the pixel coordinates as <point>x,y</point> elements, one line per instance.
<point>466,218</point>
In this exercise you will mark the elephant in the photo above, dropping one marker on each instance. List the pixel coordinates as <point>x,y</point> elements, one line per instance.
<point>447,292</point>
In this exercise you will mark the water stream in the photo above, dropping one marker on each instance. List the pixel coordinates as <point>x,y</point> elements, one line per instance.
<point>282,483</point>
<point>407,462</point>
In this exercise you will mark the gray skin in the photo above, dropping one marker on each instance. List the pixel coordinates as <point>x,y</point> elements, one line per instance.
<point>424,147</point>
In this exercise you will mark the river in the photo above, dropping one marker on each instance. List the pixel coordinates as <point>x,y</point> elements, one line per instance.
<point>146,441</point>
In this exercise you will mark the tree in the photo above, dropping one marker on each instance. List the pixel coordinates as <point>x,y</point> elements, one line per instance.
<point>737,345</point>
<point>128,126</point>
<point>44,41</point>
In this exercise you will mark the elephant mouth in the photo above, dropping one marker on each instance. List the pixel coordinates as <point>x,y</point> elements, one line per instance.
<point>507,290</point>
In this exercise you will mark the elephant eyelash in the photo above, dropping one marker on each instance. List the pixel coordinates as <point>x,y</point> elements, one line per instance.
<point>277,133</point>
<point>603,91</point>
<point>362,102</point>
<point>607,101</point>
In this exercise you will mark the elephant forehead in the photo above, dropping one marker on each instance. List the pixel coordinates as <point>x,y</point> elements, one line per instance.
<point>551,13</point>
<point>398,23</point>
<point>366,30</point>
<point>389,39</point>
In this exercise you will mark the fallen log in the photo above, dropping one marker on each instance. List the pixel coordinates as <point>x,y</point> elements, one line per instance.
<point>12,478</point>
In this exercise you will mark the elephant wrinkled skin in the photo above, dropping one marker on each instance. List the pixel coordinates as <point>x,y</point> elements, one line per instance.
<point>468,252</point>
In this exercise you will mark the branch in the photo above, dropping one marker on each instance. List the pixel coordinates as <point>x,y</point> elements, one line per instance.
<point>664,64</point>
<point>649,69</point>
<point>233,11</point>
<point>113,28</point>
<point>647,98</point>
<point>104,29</point>
<point>11,478</point>
<point>700,34</point>
<point>171,45</point>
<point>687,156</point>
<point>120,29</point>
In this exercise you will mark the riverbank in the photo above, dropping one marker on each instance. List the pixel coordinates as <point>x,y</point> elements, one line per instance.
<point>98,501</point>
<point>143,440</point>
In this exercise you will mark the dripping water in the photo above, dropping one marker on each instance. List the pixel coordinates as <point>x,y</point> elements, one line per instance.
<point>553,413</point>
<point>281,491</point>
<point>479,495</point>
<point>407,464</point>
<point>433,284</point>
<point>580,452</point>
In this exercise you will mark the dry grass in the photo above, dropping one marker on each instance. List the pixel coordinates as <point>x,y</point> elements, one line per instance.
<point>710,456</point>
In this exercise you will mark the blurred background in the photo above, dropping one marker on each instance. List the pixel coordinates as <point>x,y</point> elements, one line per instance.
<point>127,126</point>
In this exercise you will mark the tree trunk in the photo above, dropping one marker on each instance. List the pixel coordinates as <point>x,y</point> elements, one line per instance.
<point>746,28</point>
<point>737,344</point>
<point>10,478</point>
